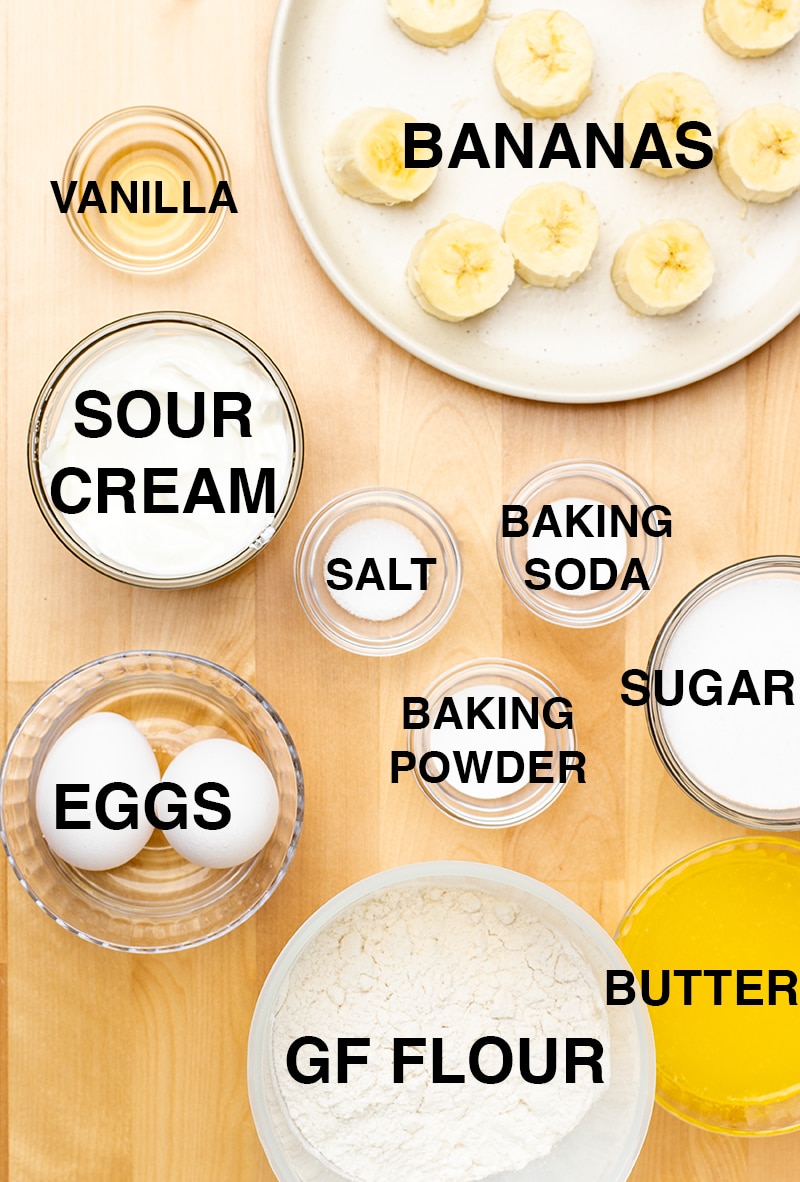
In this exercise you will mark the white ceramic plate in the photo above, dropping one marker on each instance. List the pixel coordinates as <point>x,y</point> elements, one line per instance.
<point>331,57</point>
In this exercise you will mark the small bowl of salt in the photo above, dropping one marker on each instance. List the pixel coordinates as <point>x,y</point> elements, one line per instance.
<point>378,571</point>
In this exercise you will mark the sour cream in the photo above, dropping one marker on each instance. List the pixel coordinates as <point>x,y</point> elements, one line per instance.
<point>193,504</point>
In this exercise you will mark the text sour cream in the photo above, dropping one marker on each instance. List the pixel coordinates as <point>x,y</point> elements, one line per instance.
<point>196,516</point>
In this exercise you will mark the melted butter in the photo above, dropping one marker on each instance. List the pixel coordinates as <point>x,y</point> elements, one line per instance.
<point>737,907</point>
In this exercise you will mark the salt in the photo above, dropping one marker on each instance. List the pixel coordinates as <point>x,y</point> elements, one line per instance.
<point>382,540</point>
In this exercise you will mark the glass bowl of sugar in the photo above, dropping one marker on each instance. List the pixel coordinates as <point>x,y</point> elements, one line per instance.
<point>580,543</point>
<point>721,686</point>
<point>378,571</point>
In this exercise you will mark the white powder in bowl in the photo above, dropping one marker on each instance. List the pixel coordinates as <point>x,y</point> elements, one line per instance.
<point>747,754</point>
<point>578,547</point>
<point>391,547</point>
<point>456,964</point>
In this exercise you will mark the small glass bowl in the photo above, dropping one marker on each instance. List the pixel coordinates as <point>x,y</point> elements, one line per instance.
<point>55,396</point>
<point>777,567</point>
<point>157,145</point>
<point>700,884</point>
<point>605,1144</point>
<point>378,638</point>
<point>157,902</point>
<point>520,804</point>
<point>580,480</point>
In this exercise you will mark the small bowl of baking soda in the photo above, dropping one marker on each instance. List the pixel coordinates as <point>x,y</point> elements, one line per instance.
<point>378,571</point>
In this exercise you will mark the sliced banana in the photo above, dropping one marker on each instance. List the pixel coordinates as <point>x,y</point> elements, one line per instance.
<point>759,154</point>
<point>752,28</point>
<point>440,23</point>
<point>667,100</point>
<point>543,63</point>
<point>460,268</point>
<point>364,158</point>
<point>552,230</point>
<point>663,268</point>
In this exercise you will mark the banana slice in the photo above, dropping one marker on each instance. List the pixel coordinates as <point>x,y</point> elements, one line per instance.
<point>543,63</point>
<point>552,230</point>
<point>440,23</point>
<point>667,100</point>
<point>364,158</point>
<point>752,28</point>
<point>663,268</point>
<point>759,154</point>
<point>460,268</point>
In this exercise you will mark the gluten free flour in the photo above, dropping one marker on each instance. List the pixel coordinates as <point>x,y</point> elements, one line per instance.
<point>456,964</point>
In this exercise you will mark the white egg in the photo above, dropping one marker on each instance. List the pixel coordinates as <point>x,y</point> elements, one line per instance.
<point>96,750</point>
<point>252,800</point>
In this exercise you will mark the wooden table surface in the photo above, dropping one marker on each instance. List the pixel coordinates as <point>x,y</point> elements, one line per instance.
<point>119,1068</point>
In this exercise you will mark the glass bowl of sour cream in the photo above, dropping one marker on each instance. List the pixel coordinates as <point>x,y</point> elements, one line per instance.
<point>165,450</point>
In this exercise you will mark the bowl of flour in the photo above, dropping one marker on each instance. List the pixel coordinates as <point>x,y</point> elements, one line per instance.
<point>446,1022</point>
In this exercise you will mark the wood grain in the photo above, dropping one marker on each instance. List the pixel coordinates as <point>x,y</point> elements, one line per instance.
<point>118,1069</point>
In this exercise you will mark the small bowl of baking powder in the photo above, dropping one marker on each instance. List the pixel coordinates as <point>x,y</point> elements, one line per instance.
<point>378,571</point>
<point>447,1022</point>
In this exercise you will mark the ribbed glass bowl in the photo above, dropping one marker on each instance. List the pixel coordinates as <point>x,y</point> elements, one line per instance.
<point>157,902</point>
<point>606,1143</point>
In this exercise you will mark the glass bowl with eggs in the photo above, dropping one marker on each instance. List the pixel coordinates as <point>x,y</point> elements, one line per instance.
<point>150,801</point>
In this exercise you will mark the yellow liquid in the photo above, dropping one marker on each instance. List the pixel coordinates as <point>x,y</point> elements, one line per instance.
<point>735,906</point>
<point>152,235</point>
<point>148,163</point>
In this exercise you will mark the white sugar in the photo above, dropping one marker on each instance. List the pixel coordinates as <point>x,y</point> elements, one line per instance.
<point>745,753</point>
